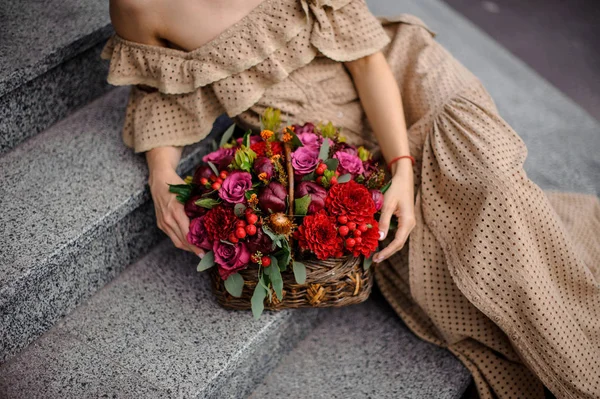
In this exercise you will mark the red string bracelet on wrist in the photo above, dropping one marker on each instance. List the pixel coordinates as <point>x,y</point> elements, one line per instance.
<point>399,158</point>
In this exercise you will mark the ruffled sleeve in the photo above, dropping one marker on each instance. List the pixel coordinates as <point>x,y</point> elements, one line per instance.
<point>177,95</point>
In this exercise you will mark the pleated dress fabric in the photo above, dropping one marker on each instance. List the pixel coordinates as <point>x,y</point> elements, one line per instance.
<point>499,272</point>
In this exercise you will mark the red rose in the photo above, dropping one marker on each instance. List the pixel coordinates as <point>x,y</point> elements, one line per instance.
<point>318,234</point>
<point>352,200</point>
<point>219,223</point>
<point>369,241</point>
<point>260,148</point>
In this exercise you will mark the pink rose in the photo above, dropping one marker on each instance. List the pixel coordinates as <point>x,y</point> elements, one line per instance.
<point>305,160</point>
<point>306,128</point>
<point>197,234</point>
<point>349,164</point>
<point>221,157</point>
<point>310,140</point>
<point>317,195</point>
<point>230,258</point>
<point>234,187</point>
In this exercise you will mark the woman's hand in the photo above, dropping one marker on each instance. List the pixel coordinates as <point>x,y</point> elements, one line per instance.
<point>398,200</point>
<point>170,214</point>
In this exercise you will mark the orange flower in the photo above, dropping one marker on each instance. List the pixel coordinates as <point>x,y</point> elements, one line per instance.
<point>262,176</point>
<point>287,137</point>
<point>266,134</point>
<point>253,200</point>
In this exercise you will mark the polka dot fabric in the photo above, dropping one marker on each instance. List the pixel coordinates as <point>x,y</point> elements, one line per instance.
<point>497,271</point>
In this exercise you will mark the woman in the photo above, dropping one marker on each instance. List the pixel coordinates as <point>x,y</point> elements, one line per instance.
<point>497,271</point>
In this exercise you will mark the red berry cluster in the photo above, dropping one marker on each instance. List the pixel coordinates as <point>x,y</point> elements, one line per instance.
<point>324,177</point>
<point>351,231</point>
<point>244,228</point>
<point>214,181</point>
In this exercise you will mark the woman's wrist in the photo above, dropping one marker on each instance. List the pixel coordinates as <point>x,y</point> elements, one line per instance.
<point>162,160</point>
<point>401,167</point>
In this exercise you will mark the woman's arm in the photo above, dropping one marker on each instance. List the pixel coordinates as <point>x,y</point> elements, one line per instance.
<point>381,100</point>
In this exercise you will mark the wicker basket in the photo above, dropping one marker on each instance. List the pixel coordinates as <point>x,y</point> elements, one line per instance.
<point>332,282</point>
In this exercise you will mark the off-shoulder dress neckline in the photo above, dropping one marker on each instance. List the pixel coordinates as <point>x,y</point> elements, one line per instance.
<point>224,34</point>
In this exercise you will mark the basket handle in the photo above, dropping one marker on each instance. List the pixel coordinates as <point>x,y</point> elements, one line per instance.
<point>290,172</point>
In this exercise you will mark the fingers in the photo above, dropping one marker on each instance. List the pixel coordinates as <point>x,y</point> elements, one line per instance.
<point>184,226</point>
<point>398,243</point>
<point>171,224</point>
<point>384,220</point>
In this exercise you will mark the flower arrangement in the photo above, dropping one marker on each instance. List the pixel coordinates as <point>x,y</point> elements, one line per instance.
<point>267,201</point>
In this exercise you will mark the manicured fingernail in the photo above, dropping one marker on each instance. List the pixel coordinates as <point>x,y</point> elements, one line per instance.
<point>201,255</point>
<point>377,259</point>
<point>381,235</point>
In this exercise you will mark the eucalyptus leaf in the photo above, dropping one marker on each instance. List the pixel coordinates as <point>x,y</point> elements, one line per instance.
<point>213,145</point>
<point>344,178</point>
<point>227,135</point>
<point>324,151</point>
<point>299,272</point>
<point>239,210</point>
<point>258,301</point>
<point>234,285</point>
<point>208,261</point>
<point>309,177</point>
<point>332,163</point>
<point>275,275</point>
<point>296,142</point>
<point>207,203</point>
<point>284,255</point>
<point>301,205</point>
<point>213,168</point>
<point>367,262</point>
<point>386,187</point>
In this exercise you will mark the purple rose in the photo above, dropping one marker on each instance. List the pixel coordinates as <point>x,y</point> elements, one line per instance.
<point>234,187</point>
<point>310,140</point>
<point>377,198</point>
<point>349,164</point>
<point>272,198</point>
<point>306,128</point>
<point>221,157</point>
<point>253,139</point>
<point>259,242</point>
<point>345,147</point>
<point>305,160</point>
<point>197,234</point>
<point>191,209</point>
<point>264,165</point>
<point>317,195</point>
<point>230,258</point>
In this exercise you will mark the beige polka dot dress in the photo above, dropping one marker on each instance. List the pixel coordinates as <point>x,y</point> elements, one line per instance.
<point>501,273</point>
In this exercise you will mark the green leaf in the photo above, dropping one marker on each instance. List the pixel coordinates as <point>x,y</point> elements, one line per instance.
<point>284,255</point>
<point>332,163</point>
<point>258,300</point>
<point>213,145</point>
<point>301,205</point>
<point>239,210</point>
<point>249,193</point>
<point>385,188</point>
<point>324,151</point>
<point>344,178</point>
<point>274,237</point>
<point>183,191</point>
<point>299,272</point>
<point>295,141</point>
<point>235,284</point>
<point>310,177</point>
<point>246,139</point>
<point>208,261</point>
<point>367,262</point>
<point>207,203</point>
<point>227,135</point>
<point>214,168</point>
<point>275,275</point>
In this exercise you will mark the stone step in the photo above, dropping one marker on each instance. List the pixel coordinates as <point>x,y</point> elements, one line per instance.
<point>76,210</point>
<point>154,332</point>
<point>50,63</point>
<point>365,351</point>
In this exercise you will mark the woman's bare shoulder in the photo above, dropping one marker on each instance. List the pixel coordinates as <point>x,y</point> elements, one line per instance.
<point>138,20</point>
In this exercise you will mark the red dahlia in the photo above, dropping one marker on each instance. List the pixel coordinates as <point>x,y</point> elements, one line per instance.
<point>318,234</point>
<point>260,148</point>
<point>219,223</point>
<point>368,242</point>
<point>352,200</point>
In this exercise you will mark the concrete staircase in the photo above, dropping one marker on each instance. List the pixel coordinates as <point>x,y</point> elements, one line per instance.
<point>94,299</point>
